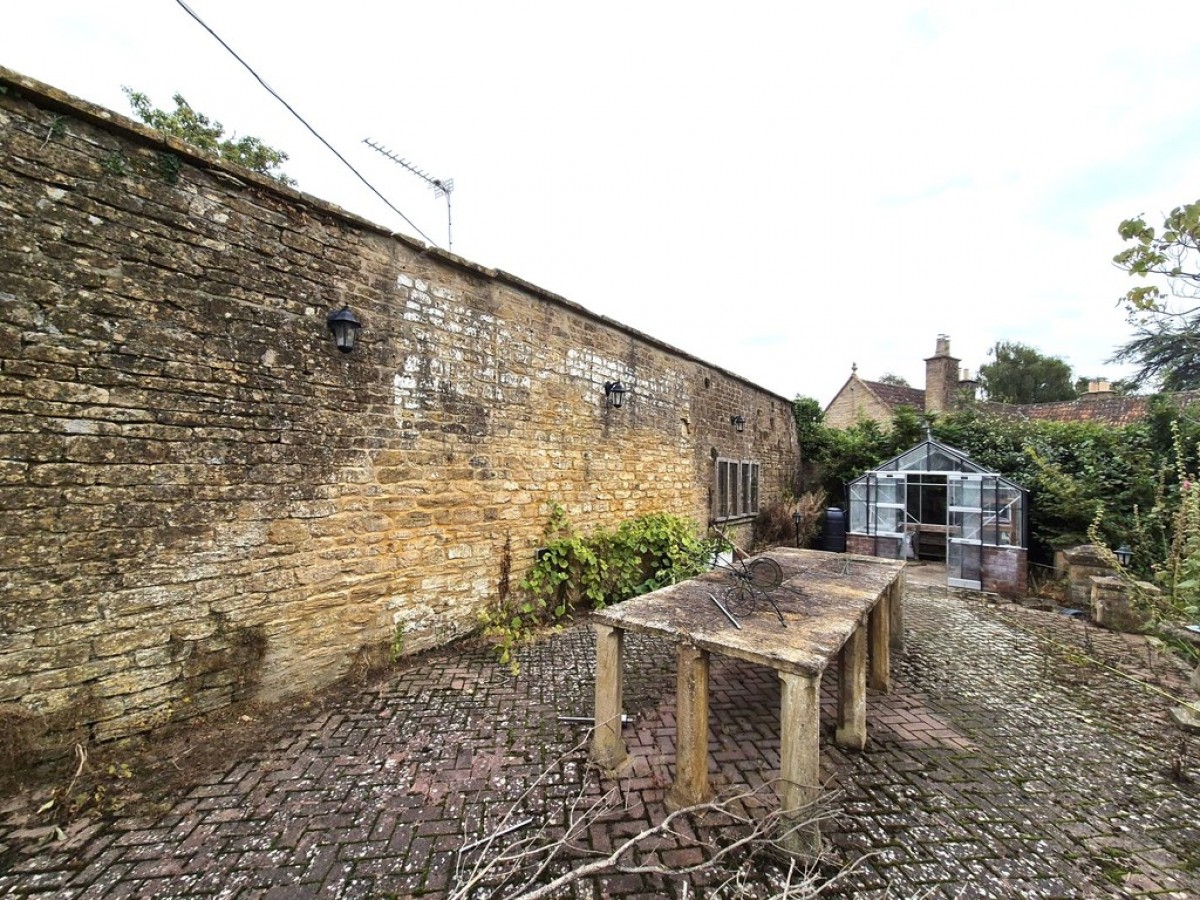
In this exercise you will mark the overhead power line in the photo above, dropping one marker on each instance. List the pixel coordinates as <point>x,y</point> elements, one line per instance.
<point>302,121</point>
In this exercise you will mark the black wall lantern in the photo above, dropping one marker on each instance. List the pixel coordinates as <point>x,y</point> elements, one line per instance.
<point>739,423</point>
<point>1123,554</point>
<point>345,325</point>
<point>615,392</point>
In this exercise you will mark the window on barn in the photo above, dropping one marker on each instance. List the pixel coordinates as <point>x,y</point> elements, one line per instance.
<point>736,488</point>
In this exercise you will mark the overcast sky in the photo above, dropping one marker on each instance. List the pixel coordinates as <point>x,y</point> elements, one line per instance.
<point>779,190</point>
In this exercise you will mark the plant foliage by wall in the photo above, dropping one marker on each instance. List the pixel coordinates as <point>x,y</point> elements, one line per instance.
<point>1071,469</point>
<point>604,567</point>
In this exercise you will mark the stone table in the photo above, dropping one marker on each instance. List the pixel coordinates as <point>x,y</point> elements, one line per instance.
<point>831,604</point>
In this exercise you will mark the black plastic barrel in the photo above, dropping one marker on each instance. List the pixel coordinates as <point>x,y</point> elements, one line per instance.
<point>833,532</point>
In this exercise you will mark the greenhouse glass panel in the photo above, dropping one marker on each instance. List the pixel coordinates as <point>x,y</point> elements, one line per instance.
<point>891,500</point>
<point>1009,523</point>
<point>915,460</point>
<point>990,508</point>
<point>887,520</point>
<point>858,506</point>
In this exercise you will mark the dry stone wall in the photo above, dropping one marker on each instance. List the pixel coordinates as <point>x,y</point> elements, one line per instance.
<point>205,502</point>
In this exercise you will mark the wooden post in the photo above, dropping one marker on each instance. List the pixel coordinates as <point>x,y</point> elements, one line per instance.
<point>608,747</point>
<point>879,627</point>
<point>852,691</point>
<point>800,760</point>
<point>691,729</point>
<point>897,605</point>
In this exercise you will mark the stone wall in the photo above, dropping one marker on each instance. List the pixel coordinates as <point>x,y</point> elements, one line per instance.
<point>205,502</point>
<point>854,403</point>
<point>1084,563</point>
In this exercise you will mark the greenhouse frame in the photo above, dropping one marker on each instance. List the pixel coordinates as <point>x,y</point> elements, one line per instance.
<point>934,503</point>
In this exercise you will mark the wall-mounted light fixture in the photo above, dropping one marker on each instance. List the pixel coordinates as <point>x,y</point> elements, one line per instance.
<point>797,521</point>
<point>345,325</point>
<point>615,393</point>
<point>738,423</point>
<point>1123,554</point>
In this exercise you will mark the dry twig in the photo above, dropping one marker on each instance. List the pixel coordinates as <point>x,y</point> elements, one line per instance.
<point>744,825</point>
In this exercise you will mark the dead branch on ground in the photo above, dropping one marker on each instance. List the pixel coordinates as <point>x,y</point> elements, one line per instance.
<point>524,859</point>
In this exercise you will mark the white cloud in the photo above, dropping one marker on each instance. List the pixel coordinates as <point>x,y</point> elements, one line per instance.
<point>780,190</point>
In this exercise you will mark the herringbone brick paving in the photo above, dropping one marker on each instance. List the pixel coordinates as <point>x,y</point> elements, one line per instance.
<point>1014,758</point>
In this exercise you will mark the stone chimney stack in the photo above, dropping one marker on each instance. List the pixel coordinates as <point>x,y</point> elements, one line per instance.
<point>968,387</point>
<point>1098,388</point>
<point>941,378</point>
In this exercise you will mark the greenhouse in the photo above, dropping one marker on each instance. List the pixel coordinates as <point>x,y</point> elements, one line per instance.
<point>934,503</point>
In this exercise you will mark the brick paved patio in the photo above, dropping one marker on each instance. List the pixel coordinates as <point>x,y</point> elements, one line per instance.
<point>1004,764</point>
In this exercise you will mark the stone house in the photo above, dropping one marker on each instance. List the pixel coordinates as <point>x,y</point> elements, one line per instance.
<point>205,501</point>
<point>875,401</point>
<point>948,388</point>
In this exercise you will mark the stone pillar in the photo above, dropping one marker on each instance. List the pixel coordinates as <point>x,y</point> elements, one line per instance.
<point>879,627</point>
<point>896,605</point>
<point>608,746</point>
<point>1112,605</point>
<point>1082,564</point>
<point>800,760</point>
<point>852,691</point>
<point>691,729</point>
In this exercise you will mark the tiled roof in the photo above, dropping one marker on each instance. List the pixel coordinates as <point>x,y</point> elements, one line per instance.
<point>894,395</point>
<point>1112,409</point>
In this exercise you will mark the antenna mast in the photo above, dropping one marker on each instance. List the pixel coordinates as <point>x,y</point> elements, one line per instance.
<point>441,187</point>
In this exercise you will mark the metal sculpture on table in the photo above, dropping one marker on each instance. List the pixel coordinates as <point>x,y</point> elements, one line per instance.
<point>751,580</point>
<point>750,585</point>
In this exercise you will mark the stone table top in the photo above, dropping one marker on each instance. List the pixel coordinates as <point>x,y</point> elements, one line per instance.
<point>823,598</point>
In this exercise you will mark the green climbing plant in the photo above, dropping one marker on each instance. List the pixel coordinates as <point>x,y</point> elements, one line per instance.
<point>598,569</point>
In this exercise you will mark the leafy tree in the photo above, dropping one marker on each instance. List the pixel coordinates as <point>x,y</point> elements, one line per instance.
<point>831,457</point>
<point>1166,311</point>
<point>894,379</point>
<point>198,130</point>
<point>1022,374</point>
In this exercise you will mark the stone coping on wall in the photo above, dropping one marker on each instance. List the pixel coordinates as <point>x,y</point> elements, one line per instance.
<point>98,115</point>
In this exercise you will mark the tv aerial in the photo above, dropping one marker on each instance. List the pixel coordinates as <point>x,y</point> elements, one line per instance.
<point>442,187</point>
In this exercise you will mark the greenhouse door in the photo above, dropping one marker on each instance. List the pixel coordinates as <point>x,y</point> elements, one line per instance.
<point>964,538</point>
<point>890,504</point>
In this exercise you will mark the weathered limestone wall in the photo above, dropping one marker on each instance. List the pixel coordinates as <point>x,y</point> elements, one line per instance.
<point>204,501</point>
<point>853,404</point>
<point>1112,604</point>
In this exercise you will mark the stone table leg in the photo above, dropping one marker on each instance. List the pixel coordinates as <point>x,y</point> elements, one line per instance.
<point>800,761</point>
<point>852,691</point>
<point>608,747</point>
<point>897,606</point>
<point>691,730</point>
<point>879,636</point>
